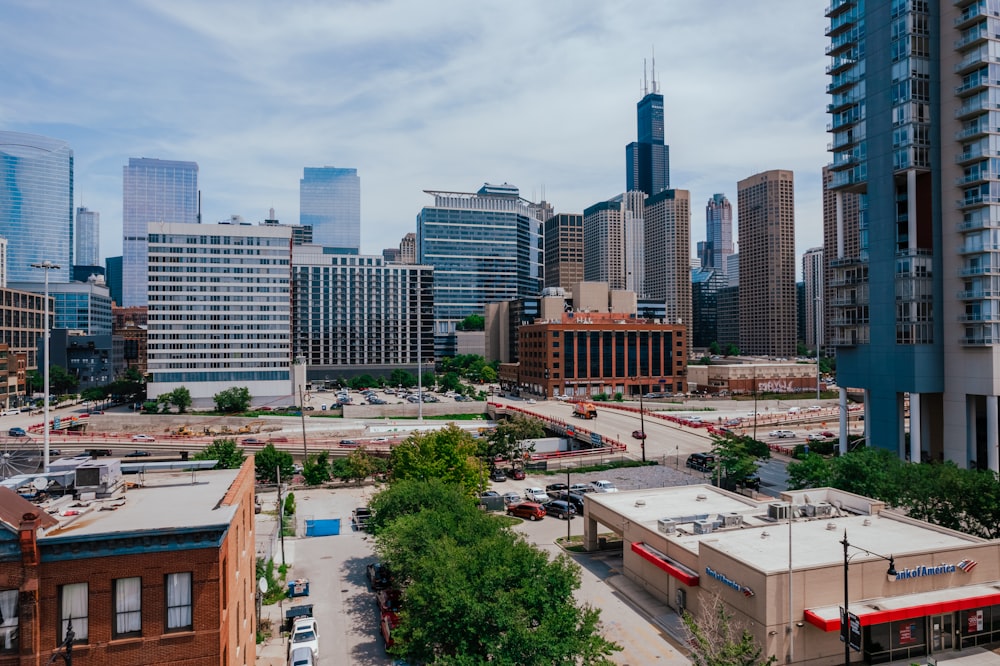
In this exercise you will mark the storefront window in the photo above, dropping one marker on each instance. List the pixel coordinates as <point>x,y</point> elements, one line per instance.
<point>894,641</point>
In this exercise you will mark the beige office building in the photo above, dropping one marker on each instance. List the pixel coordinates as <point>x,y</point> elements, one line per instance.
<point>667,249</point>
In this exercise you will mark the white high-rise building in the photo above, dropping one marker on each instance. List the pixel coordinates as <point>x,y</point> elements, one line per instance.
<point>613,243</point>
<point>668,253</point>
<point>152,191</point>
<point>220,310</point>
<point>812,276</point>
<point>88,237</point>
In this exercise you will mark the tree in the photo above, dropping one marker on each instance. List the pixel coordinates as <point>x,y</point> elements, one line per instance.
<point>811,471</point>
<point>737,456</point>
<point>714,349</point>
<point>732,350</point>
<point>225,451</point>
<point>474,322</point>
<point>402,378</point>
<point>130,388</point>
<point>363,381</point>
<point>451,381</point>
<point>316,468</point>
<point>488,374</point>
<point>506,441</point>
<point>448,454</point>
<point>429,380</point>
<point>180,398</point>
<point>358,466</point>
<point>232,400</point>
<point>477,592</point>
<point>717,640</point>
<point>269,460</point>
<point>61,382</point>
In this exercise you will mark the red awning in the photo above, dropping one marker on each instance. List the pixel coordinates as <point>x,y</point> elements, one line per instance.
<point>907,606</point>
<point>668,564</point>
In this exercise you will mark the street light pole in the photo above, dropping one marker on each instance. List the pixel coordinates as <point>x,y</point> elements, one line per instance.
<point>642,426</point>
<point>46,266</point>
<point>818,306</point>
<point>845,631</point>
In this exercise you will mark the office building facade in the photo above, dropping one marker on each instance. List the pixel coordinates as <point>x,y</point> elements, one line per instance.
<point>613,242</point>
<point>563,234</point>
<point>647,160</point>
<point>330,203</point>
<point>36,202</point>
<point>219,310</point>
<point>357,314</point>
<point>88,237</point>
<point>153,190</point>
<point>766,206</point>
<point>718,233</point>
<point>667,251</point>
<point>914,129</point>
<point>706,283</point>
<point>78,306</point>
<point>813,269</point>
<point>484,246</point>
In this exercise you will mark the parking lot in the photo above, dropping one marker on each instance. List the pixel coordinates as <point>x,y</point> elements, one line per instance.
<point>346,612</point>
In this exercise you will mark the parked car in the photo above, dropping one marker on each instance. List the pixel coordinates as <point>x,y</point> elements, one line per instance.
<point>138,454</point>
<point>390,601</point>
<point>814,408</point>
<point>703,462</point>
<point>581,488</point>
<point>386,627</point>
<point>531,401</point>
<point>490,493</point>
<point>575,500</point>
<point>556,487</point>
<point>516,474</point>
<point>497,475</point>
<point>603,486</point>
<point>143,438</point>
<point>301,656</point>
<point>511,498</point>
<point>536,495</point>
<point>379,576</point>
<point>529,510</point>
<point>560,509</point>
<point>638,434</point>
<point>305,634</point>
<point>17,432</point>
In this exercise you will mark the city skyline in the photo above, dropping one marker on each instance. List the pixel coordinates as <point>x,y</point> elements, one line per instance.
<point>254,94</point>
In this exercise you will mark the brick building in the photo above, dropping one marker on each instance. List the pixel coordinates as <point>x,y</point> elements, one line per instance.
<point>164,573</point>
<point>588,353</point>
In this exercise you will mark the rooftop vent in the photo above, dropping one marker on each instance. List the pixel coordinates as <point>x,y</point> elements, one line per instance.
<point>640,502</point>
<point>731,519</point>
<point>701,497</point>
<point>703,526</point>
<point>831,526</point>
<point>667,525</point>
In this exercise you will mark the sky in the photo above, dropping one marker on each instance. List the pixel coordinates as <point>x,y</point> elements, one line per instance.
<point>442,95</point>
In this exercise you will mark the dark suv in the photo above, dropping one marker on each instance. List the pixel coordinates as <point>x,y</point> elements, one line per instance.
<point>703,462</point>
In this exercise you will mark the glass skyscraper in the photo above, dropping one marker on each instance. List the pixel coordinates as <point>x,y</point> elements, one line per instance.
<point>36,202</point>
<point>647,161</point>
<point>330,202</point>
<point>153,191</point>
<point>484,246</point>
<point>718,233</point>
<point>88,237</point>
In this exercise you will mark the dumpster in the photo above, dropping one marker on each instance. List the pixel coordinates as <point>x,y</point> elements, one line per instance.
<point>298,587</point>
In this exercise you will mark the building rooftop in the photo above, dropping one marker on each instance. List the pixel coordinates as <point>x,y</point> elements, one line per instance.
<point>164,501</point>
<point>759,534</point>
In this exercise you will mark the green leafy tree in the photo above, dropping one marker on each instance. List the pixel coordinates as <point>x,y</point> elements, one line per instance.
<point>716,639</point>
<point>429,380</point>
<point>811,471</point>
<point>363,381</point>
<point>94,394</point>
<point>232,400</point>
<point>130,388</point>
<point>358,466</point>
<point>737,457</point>
<point>448,454</point>
<point>732,350</point>
<point>451,381</point>
<point>225,451</point>
<point>402,378</point>
<point>316,469</point>
<point>477,592</point>
<point>180,398</point>
<point>474,322</point>
<point>488,374</point>
<point>507,440</point>
<point>151,407</point>
<point>714,348</point>
<point>61,382</point>
<point>269,460</point>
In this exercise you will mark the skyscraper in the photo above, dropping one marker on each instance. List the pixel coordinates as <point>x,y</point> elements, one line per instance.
<point>330,202</point>
<point>668,253</point>
<point>647,160</point>
<point>914,133</point>
<point>484,247</point>
<point>613,240</point>
<point>153,190</point>
<point>718,232</point>
<point>36,205</point>
<point>812,277</point>
<point>564,250</point>
<point>766,203</point>
<point>88,237</point>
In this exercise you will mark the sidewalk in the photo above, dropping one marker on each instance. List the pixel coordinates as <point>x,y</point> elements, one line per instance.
<point>274,651</point>
<point>658,612</point>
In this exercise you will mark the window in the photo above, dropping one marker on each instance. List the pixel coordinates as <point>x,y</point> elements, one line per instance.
<point>73,610</point>
<point>179,601</point>
<point>8,620</point>
<point>128,607</point>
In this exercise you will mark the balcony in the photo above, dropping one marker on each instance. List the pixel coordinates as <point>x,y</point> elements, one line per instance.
<point>976,224</point>
<point>842,81</point>
<point>974,106</point>
<point>841,63</point>
<point>977,294</point>
<point>973,37</point>
<point>839,7</point>
<point>842,23</point>
<point>980,83</point>
<point>979,340</point>
<point>970,15</point>
<point>981,128</point>
<point>979,270</point>
<point>981,177</point>
<point>974,60</point>
<point>847,280</point>
<point>975,155</point>
<point>979,318</point>
<point>977,200</point>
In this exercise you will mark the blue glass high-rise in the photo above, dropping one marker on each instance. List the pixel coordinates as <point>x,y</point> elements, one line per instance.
<point>152,191</point>
<point>36,202</point>
<point>647,161</point>
<point>330,202</point>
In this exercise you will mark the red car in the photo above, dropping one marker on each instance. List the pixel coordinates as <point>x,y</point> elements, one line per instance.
<point>388,623</point>
<point>828,433</point>
<point>638,434</point>
<point>390,602</point>
<point>529,510</point>
<point>516,474</point>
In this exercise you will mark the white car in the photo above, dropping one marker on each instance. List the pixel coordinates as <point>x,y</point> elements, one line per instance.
<point>143,438</point>
<point>814,408</point>
<point>781,434</point>
<point>305,633</point>
<point>815,437</point>
<point>604,486</point>
<point>536,495</point>
<point>531,401</point>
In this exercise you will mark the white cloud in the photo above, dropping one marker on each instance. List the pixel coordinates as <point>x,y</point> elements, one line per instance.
<point>442,95</point>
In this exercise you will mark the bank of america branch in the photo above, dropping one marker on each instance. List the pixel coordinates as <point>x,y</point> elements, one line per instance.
<point>784,579</point>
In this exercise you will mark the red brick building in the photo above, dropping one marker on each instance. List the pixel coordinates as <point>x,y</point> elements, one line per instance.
<point>587,353</point>
<point>161,574</point>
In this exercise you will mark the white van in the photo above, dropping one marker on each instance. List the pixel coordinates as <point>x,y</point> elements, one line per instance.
<point>604,486</point>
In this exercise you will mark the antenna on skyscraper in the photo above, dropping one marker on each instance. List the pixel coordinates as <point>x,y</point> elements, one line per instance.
<point>656,88</point>
<point>645,84</point>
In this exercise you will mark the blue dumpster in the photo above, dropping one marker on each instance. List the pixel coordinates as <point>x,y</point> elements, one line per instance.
<point>298,587</point>
<point>323,527</point>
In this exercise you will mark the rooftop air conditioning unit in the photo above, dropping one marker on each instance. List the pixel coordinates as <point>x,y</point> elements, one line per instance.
<point>732,519</point>
<point>810,510</point>
<point>667,525</point>
<point>779,510</point>
<point>824,510</point>
<point>703,526</point>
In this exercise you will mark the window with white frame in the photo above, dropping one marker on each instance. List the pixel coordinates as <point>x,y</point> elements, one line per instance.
<point>128,607</point>
<point>179,616</point>
<point>73,606</point>
<point>8,620</point>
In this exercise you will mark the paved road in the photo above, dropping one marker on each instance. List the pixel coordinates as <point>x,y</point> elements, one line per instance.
<point>345,607</point>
